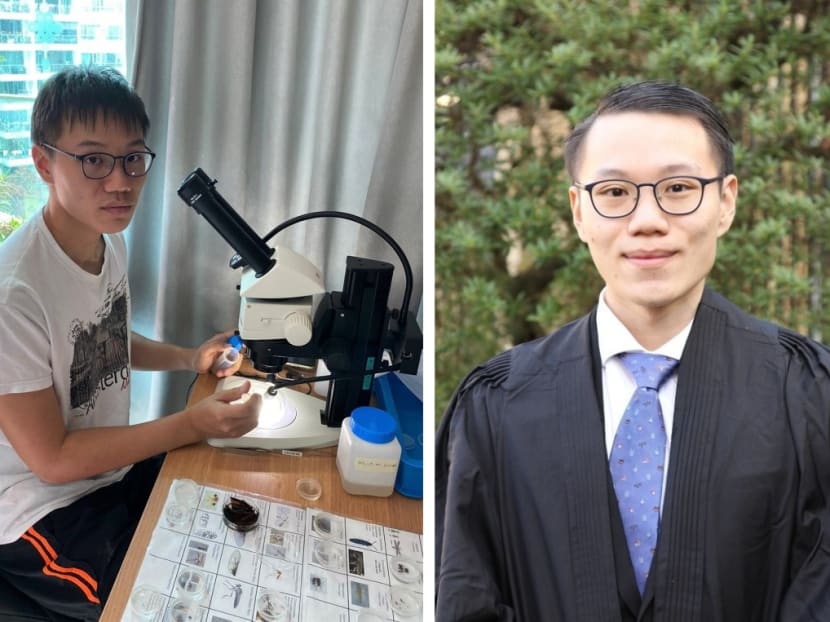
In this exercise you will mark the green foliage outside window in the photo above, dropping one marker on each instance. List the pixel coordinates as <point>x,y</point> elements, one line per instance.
<point>22,194</point>
<point>514,76</point>
<point>8,197</point>
<point>7,227</point>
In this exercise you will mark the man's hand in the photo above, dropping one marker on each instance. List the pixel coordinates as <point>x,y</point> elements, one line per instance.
<point>35,428</point>
<point>207,354</point>
<point>217,416</point>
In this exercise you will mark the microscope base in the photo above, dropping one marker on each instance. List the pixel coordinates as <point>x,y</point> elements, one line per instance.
<point>288,420</point>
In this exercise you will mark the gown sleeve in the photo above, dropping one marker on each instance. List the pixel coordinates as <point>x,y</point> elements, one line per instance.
<point>808,406</point>
<point>468,568</point>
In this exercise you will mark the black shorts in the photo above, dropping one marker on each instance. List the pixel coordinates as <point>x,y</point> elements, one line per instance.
<point>68,560</point>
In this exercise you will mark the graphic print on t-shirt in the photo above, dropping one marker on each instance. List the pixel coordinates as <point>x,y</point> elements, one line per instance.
<point>101,357</point>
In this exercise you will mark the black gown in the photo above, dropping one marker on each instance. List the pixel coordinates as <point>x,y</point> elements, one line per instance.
<point>527,525</point>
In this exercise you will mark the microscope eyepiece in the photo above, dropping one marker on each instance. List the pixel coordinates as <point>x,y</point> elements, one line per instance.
<point>199,192</point>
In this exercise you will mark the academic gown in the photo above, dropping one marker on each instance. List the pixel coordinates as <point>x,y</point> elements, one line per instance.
<point>527,523</point>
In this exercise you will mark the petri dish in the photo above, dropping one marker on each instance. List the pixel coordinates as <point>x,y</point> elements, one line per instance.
<point>271,607</point>
<point>326,526</point>
<point>309,488</point>
<point>192,584</point>
<point>145,603</point>
<point>177,515</point>
<point>184,610</point>
<point>405,603</point>
<point>404,570</point>
<point>328,555</point>
<point>186,492</point>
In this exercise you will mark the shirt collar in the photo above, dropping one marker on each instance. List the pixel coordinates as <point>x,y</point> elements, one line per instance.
<point>614,338</point>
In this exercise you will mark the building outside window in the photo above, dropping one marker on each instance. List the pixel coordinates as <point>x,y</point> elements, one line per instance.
<point>37,39</point>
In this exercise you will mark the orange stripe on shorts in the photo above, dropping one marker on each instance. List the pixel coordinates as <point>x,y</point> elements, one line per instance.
<point>50,568</point>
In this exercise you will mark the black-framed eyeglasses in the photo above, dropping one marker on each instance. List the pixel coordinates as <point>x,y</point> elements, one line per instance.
<point>677,195</point>
<point>100,165</point>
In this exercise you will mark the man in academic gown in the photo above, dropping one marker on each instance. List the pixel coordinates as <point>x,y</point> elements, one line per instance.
<point>528,523</point>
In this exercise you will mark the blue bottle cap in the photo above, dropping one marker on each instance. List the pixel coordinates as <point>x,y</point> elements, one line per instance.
<point>373,424</point>
<point>235,341</point>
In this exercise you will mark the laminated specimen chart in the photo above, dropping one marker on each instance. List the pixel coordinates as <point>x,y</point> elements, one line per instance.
<point>219,555</point>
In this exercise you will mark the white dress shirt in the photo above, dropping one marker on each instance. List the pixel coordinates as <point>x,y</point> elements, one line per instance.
<point>617,384</point>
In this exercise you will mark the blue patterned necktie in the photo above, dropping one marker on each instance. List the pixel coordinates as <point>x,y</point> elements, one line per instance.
<point>637,458</point>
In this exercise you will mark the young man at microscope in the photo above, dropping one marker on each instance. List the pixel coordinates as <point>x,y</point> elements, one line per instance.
<point>665,457</point>
<point>70,497</point>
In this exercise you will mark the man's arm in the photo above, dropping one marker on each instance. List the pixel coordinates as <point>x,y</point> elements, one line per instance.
<point>33,425</point>
<point>808,398</point>
<point>467,573</point>
<point>146,354</point>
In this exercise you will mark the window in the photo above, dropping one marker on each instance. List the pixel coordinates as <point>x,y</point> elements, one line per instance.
<point>10,30</point>
<point>89,31</point>
<point>99,58</point>
<point>49,62</point>
<point>11,62</point>
<point>36,40</point>
<point>13,88</point>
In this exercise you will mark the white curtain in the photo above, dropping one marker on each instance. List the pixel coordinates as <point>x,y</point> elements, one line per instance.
<point>293,106</point>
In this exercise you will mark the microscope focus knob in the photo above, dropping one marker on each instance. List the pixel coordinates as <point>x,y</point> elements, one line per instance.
<point>297,328</point>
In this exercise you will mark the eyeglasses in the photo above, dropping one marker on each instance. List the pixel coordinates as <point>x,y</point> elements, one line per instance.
<point>617,198</point>
<point>100,165</point>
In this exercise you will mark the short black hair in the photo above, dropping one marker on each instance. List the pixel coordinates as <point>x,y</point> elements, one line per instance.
<point>661,97</point>
<point>84,94</point>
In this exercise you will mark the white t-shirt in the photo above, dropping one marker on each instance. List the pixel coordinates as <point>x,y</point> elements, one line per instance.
<point>63,327</point>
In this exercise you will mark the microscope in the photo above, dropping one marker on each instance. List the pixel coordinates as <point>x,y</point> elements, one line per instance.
<point>286,314</point>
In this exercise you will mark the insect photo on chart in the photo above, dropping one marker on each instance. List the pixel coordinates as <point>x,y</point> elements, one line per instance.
<point>356,562</point>
<point>360,594</point>
<point>317,583</point>
<point>281,516</point>
<point>196,558</point>
<point>233,562</point>
<point>233,591</point>
<point>276,545</point>
<point>363,542</point>
<point>273,573</point>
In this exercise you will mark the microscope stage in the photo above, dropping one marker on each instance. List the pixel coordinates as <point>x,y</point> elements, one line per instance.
<point>288,420</point>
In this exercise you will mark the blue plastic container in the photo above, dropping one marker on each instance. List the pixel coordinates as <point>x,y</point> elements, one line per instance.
<point>394,397</point>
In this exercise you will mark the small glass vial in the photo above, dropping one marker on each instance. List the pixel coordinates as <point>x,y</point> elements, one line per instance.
<point>229,356</point>
<point>368,452</point>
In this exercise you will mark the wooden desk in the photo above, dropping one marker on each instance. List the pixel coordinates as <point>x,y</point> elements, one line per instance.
<point>269,474</point>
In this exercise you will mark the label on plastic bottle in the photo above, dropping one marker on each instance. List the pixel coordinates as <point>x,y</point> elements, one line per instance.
<point>376,465</point>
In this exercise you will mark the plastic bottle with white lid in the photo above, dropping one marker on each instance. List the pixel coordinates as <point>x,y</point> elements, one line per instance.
<point>229,357</point>
<point>368,452</point>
